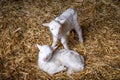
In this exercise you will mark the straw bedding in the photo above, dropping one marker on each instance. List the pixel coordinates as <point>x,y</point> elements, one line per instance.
<point>21,29</point>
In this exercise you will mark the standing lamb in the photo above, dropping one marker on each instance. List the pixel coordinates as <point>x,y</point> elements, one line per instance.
<point>55,61</point>
<point>62,25</point>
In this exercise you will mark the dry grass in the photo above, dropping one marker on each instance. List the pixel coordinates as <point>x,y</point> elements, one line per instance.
<point>21,29</point>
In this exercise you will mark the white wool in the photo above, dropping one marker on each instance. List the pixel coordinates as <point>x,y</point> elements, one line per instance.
<point>59,60</point>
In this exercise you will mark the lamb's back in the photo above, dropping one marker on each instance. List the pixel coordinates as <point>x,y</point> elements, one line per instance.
<point>67,14</point>
<point>65,55</point>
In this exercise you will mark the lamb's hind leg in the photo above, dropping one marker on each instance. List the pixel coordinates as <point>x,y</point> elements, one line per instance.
<point>79,32</point>
<point>60,68</point>
<point>78,28</point>
<point>70,71</point>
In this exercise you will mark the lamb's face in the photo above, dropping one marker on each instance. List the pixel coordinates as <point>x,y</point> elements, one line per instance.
<point>45,52</point>
<point>55,28</point>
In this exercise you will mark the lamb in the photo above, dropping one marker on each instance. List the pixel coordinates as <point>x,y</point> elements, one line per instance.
<point>62,25</point>
<point>45,62</point>
<point>59,60</point>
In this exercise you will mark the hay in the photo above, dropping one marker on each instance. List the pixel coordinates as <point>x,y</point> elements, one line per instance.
<point>21,29</point>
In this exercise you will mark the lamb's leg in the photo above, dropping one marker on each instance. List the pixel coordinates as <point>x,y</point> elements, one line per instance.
<point>61,68</point>
<point>64,42</point>
<point>77,28</point>
<point>58,69</point>
<point>55,40</point>
<point>70,71</point>
<point>80,35</point>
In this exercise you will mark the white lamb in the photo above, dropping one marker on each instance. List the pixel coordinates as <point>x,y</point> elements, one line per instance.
<point>46,62</point>
<point>62,25</point>
<point>53,62</point>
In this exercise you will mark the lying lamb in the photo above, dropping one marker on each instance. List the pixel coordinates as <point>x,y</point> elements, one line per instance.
<point>62,25</point>
<point>46,63</point>
<point>53,62</point>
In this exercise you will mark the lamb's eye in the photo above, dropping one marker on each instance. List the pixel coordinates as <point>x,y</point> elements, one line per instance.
<point>51,28</point>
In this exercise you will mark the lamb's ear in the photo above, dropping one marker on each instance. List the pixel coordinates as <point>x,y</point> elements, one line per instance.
<point>46,24</point>
<point>39,46</point>
<point>62,21</point>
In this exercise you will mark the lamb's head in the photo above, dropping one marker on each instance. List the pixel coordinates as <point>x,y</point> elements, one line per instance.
<point>45,52</point>
<point>55,26</point>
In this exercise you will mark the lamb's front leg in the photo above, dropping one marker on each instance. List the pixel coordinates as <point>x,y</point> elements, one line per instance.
<point>55,40</point>
<point>64,42</point>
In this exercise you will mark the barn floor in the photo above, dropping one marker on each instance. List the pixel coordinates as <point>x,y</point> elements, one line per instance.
<point>21,29</point>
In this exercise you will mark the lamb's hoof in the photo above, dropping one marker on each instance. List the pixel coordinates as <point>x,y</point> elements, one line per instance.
<point>81,40</point>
